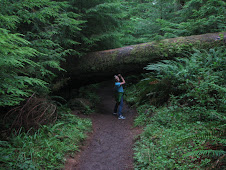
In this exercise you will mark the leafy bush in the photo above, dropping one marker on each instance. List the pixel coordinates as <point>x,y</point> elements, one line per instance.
<point>16,82</point>
<point>46,147</point>
<point>35,36</point>
<point>202,74</point>
<point>186,131</point>
<point>171,140</point>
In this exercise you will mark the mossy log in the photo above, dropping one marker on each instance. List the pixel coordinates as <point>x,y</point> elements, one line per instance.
<point>135,57</point>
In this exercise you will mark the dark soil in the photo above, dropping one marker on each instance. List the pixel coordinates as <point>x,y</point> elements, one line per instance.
<point>110,146</point>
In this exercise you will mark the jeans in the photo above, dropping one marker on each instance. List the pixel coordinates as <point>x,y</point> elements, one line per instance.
<point>118,106</point>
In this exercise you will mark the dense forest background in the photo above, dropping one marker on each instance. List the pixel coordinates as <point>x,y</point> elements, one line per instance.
<point>36,36</point>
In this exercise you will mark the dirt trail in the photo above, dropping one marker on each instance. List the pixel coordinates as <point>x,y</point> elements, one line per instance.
<point>110,145</point>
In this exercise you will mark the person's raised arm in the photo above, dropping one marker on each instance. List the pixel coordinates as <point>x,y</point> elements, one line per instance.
<point>123,81</point>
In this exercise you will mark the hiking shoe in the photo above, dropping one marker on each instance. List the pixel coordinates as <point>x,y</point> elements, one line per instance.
<point>114,113</point>
<point>121,117</point>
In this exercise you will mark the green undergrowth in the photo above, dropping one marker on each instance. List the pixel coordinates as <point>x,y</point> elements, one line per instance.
<point>175,138</point>
<point>46,147</point>
<point>181,106</point>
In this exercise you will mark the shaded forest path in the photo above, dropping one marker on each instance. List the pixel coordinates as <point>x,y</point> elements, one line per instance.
<point>109,147</point>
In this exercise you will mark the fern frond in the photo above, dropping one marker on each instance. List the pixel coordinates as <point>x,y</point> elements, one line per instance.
<point>213,135</point>
<point>216,153</point>
<point>56,126</point>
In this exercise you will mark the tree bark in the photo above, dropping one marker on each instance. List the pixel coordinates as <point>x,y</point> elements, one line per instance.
<point>135,57</point>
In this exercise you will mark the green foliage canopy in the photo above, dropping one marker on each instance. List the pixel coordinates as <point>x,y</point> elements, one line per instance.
<point>15,79</point>
<point>150,20</point>
<point>101,29</point>
<point>181,103</point>
<point>35,37</point>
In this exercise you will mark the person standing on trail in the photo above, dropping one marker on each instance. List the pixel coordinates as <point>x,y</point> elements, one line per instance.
<point>119,96</point>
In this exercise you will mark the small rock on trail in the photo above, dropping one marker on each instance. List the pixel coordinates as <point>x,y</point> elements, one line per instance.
<point>110,147</point>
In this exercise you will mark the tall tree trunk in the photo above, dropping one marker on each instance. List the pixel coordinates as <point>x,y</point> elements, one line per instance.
<point>135,57</point>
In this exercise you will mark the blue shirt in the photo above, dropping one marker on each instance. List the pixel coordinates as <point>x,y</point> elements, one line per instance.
<point>118,87</point>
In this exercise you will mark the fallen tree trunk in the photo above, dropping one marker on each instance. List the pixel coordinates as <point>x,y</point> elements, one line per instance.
<point>135,57</point>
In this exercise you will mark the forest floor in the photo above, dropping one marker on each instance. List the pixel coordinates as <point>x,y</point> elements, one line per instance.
<point>110,145</point>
